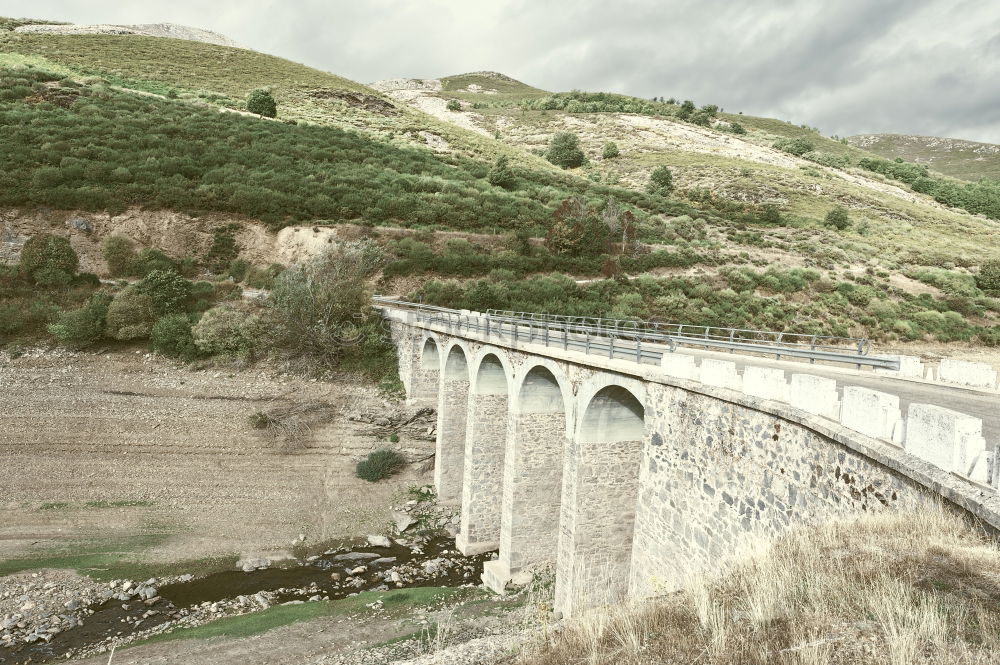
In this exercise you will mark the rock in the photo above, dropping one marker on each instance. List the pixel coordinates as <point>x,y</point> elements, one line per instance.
<point>335,577</point>
<point>379,541</point>
<point>359,570</point>
<point>72,604</point>
<point>384,560</point>
<point>187,577</point>
<point>522,578</point>
<point>402,520</point>
<point>261,599</point>
<point>355,556</point>
<point>80,224</point>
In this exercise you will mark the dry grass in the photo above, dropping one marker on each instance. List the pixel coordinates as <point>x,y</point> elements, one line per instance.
<point>288,426</point>
<point>900,589</point>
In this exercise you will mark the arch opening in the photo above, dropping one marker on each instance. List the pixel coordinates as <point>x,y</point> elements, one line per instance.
<point>614,414</point>
<point>491,379</point>
<point>429,357</point>
<point>456,366</point>
<point>540,393</point>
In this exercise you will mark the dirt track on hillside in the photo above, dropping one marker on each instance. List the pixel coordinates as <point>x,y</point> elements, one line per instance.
<point>110,448</point>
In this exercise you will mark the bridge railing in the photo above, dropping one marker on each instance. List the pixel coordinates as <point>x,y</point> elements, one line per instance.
<point>633,339</point>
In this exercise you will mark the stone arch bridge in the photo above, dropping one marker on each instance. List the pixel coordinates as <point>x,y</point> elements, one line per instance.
<point>626,458</point>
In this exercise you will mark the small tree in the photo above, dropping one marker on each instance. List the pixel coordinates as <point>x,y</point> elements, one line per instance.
<point>564,150</point>
<point>576,230</point>
<point>49,260</point>
<point>610,150</point>
<point>661,181</point>
<point>85,326</point>
<point>130,315</point>
<point>838,218</point>
<point>686,109</point>
<point>171,336</point>
<point>454,105</point>
<point>501,175</point>
<point>988,278</point>
<point>118,254</point>
<point>261,102</point>
<point>168,291</point>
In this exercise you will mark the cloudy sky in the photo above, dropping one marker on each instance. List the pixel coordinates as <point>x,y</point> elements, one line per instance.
<point>845,66</point>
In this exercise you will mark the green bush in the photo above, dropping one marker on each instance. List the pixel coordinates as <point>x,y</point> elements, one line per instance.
<point>988,278</point>
<point>661,181</point>
<point>85,326</point>
<point>501,175</point>
<point>227,331</point>
<point>168,292</point>
<point>564,150</point>
<point>838,218</point>
<point>238,269</point>
<point>11,320</point>
<point>130,314</point>
<point>118,254</point>
<point>151,259</point>
<point>223,251</point>
<point>172,337</point>
<point>454,105</point>
<point>610,150</point>
<point>797,146</point>
<point>49,260</point>
<point>261,102</point>
<point>380,464</point>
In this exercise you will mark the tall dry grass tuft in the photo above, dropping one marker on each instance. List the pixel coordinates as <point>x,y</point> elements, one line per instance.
<point>898,588</point>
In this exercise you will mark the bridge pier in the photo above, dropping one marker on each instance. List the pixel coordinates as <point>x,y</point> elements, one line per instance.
<point>600,485</point>
<point>453,402</point>
<point>532,483</point>
<point>485,442</point>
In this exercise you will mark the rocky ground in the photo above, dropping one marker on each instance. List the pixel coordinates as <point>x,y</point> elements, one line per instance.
<point>142,457</point>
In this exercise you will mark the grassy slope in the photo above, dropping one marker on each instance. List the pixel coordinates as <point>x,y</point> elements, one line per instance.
<point>967,160</point>
<point>489,81</point>
<point>898,588</point>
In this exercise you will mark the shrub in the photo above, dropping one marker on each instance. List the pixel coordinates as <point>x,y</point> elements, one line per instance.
<point>226,331</point>
<point>454,105</point>
<point>130,314</point>
<point>119,255</point>
<point>261,102</point>
<point>223,251</point>
<point>736,128</point>
<point>84,326</point>
<point>661,181</point>
<point>380,464</point>
<point>151,259</point>
<point>49,260</point>
<point>238,269</point>
<point>610,150</point>
<point>501,175</point>
<point>564,150</point>
<point>797,146</point>
<point>317,308</point>
<point>988,278</point>
<point>168,291</point>
<point>172,337</point>
<point>838,218</point>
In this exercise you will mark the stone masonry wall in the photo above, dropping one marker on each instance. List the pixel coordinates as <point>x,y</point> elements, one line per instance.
<point>482,482</point>
<point>713,473</point>
<point>449,463</point>
<point>596,527</point>
<point>532,482</point>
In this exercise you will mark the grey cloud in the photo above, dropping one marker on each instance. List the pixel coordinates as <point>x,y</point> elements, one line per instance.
<point>851,66</point>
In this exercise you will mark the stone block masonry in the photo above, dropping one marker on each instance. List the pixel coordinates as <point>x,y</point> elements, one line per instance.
<point>721,373</point>
<point>965,373</point>
<point>482,484</point>
<point>766,383</point>
<point>816,395</point>
<point>449,464</point>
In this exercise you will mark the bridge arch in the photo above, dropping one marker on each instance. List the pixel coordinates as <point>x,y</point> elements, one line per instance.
<point>541,406</point>
<point>486,440</point>
<point>430,357</point>
<point>452,422</point>
<point>600,489</point>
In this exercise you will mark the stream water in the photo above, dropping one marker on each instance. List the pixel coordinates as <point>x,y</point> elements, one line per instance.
<point>298,582</point>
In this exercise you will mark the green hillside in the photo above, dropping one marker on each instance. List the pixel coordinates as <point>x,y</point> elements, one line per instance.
<point>967,160</point>
<point>742,234</point>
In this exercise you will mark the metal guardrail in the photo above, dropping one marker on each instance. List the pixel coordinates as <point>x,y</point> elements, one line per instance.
<point>644,341</point>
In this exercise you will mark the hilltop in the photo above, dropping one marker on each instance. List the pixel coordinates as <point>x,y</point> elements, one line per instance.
<point>171,30</point>
<point>968,160</point>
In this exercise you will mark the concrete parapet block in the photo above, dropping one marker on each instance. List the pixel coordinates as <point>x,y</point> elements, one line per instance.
<point>679,365</point>
<point>948,439</point>
<point>871,412</point>
<point>496,575</point>
<point>765,382</point>
<point>966,373</point>
<point>816,395</point>
<point>720,373</point>
<point>910,367</point>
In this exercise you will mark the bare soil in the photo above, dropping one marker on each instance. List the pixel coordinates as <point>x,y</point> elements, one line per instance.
<point>103,448</point>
